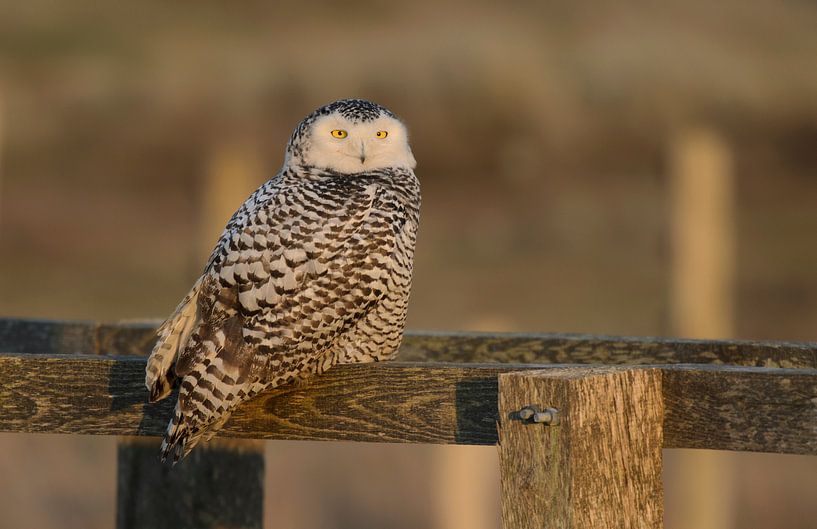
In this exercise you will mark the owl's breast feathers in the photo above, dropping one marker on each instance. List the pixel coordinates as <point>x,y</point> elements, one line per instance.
<point>314,269</point>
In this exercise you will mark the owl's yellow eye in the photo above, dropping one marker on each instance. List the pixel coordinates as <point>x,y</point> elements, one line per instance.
<point>338,133</point>
<point>381,134</point>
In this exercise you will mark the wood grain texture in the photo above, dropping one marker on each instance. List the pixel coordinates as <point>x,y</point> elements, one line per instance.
<point>600,467</point>
<point>55,337</point>
<point>731,408</point>
<point>380,403</point>
<point>216,486</point>
<point>741,408</point>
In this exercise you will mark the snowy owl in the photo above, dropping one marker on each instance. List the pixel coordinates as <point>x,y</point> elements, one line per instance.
<point>313,270</point>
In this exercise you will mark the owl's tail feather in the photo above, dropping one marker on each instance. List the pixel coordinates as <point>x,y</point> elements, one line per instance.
<point>177,441</point>
<point>187,429</point>
<point>173,336</point>
<point>180,438</point>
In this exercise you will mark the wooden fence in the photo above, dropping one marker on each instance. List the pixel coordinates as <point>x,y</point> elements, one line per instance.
<point>580,421</point>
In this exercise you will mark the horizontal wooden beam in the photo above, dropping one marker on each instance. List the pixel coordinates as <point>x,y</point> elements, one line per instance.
<point>588,349</point>
<point>38,336</point>
<point>746,409</point>
<point>731,408</point>
<point>387,402</point>
<point>135,338</point>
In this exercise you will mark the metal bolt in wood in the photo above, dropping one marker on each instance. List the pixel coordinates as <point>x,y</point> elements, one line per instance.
<point>548,416</point>
<point>532,413</point>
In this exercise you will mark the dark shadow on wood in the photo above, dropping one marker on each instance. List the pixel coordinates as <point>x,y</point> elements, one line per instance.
<point>127,389</point>
<point>477,408</point>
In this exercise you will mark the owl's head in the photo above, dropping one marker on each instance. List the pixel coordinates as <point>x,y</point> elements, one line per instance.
<point>350,136</point>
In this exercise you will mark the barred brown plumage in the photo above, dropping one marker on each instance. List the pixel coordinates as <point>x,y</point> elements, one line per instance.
<point>314,269</point>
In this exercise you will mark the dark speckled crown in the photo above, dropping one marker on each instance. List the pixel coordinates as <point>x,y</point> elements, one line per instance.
<point>354,109</point>
<point>357,110</point>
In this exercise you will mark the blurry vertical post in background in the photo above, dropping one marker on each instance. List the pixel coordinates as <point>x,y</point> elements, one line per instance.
<point>2,130</point>
<point>466,493</point>
<point>234,170</point>
<point>703,235</point>
<point>702,301</point>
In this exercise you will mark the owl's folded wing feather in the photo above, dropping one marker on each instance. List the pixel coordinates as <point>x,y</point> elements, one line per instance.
<point>284,285</point>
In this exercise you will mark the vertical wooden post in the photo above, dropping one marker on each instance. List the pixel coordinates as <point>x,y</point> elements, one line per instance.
<point>599,467</point>
<point>215,487</point>
<point>702,303</point>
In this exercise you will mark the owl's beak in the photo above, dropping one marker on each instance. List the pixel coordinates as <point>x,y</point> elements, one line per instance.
<point>362,152</point>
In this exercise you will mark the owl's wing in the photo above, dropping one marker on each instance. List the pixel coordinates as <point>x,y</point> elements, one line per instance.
<point>290,279</point>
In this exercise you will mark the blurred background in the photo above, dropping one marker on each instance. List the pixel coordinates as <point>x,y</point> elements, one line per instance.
<point>585,168</point>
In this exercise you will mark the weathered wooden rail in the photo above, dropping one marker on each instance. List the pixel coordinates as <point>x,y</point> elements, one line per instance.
<point>619,401</point>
